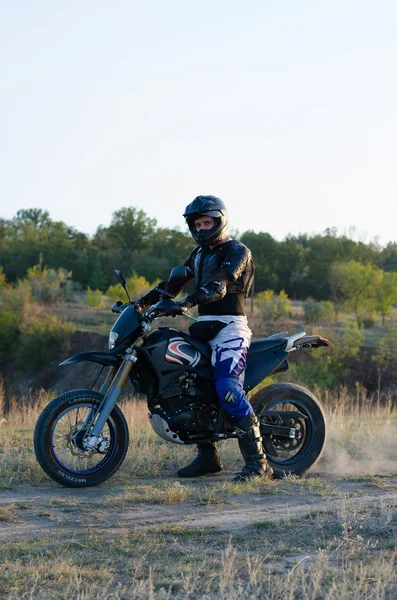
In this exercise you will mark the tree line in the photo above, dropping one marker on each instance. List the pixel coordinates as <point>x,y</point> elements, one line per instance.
<point>303,266</point>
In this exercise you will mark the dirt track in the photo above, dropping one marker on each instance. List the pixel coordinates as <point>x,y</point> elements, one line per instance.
<point>37,511</point>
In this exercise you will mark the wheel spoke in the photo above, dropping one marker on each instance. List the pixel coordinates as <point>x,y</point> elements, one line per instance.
<point>67,440</point>
<point>64,451</point>
<point>67,422</point>
<point>283,449</point>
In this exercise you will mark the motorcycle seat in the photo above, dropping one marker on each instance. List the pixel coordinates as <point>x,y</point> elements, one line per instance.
<point>264,344</point>
<point>256,346</point>
<point>201,346</point>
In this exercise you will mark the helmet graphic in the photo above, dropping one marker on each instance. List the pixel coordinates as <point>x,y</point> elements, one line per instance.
<point>206,206</point>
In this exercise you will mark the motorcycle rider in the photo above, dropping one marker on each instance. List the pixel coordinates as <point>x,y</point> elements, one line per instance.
<point>223,270</point>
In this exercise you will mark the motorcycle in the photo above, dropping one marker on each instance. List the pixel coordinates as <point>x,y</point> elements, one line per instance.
<point>81,437</point>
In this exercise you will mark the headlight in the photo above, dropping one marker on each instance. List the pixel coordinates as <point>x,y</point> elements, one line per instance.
<point>112,339</point>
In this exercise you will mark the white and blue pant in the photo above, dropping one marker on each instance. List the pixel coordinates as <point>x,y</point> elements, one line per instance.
<point>229,358</point>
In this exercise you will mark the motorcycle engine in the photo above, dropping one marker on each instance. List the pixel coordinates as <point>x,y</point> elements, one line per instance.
<point>187,404</point>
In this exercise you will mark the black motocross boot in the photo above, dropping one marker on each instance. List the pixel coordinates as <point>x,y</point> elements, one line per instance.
<point>207,461</point>
<point>250,442</point>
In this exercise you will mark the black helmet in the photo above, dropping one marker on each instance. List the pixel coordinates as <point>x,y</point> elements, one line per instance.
<point>206,206</point>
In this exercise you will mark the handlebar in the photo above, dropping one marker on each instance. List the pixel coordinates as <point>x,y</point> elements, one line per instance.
<point>164,308</point>
<point>167,308</point>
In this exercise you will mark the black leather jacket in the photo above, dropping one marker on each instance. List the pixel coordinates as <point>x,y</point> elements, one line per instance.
<point>223,276</point>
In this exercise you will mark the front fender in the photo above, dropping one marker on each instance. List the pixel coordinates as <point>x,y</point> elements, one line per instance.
<point>103,358</point>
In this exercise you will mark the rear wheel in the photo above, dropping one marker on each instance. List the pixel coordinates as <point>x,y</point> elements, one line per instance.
<point>300,439</point>
<point>59,435</point>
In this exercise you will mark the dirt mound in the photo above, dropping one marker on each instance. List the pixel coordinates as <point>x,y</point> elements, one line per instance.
<point>79,375</point>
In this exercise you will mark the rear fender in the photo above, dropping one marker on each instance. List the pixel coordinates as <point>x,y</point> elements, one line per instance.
<point>103,358</point>
<point>310,341</point>
<point>263,364</point>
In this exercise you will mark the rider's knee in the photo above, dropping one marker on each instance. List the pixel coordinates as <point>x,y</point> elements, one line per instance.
<point>231,394</point>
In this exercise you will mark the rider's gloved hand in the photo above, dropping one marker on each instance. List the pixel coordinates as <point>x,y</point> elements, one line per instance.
<point>182,308</point>
<point>177,310</point>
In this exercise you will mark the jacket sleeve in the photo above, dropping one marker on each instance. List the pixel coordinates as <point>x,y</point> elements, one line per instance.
<point>232,267</point>
<point>154,296</point>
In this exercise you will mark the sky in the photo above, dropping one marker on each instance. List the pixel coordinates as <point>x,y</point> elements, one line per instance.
<point>285,109</point>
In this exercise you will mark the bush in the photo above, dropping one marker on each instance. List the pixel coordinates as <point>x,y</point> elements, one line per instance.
<point>319,312</point>
<point>369,321</point>
<point>329,312</point>
<point>3,279</point>
<point>28,336</point>
<point>39,337</point>
<point>95,298</point>
<point>49,286</point>
<point>273,306</point>
<point>17,299</point>
<point>9,332</point>
<point>386,349</point>
<point>314,311</point>
<point>137,287</point>
<point>330,367</point>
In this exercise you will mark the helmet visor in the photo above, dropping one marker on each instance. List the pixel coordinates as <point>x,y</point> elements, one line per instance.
<point>204,213</point>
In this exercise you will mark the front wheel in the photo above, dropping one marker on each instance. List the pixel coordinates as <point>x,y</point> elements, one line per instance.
<point>297,421</point>
<point>59,435</point>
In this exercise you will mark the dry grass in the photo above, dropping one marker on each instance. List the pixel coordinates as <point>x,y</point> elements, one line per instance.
<point>165,493</point>
<point>346,550</point>
<point>334,554</point>
<point>361,434</point>
<point>8,514</point>
<point>362,438</point>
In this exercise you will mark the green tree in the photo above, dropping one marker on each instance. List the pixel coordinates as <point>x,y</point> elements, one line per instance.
<point>385,292</point>
<point>131,229</point>
<point>265,252</point>
<point>294,269</point>
<point>386,349</point>
<point>385,355</point>
<point>168,248</point>
<point>388,257</point>
<point>353,285</point>
<point>31,234</point>
<point>36,218</point>
<point>98,279</point>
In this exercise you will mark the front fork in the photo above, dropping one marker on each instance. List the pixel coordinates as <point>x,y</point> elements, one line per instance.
<point>112,387</point>
<point>102,390</point>
<point>108,380</point>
